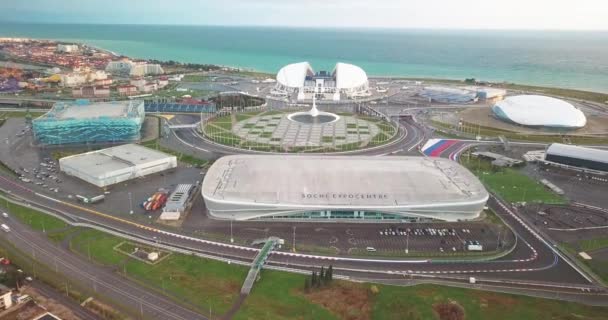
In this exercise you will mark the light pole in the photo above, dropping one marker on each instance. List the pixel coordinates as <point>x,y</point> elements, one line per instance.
<point>407,243</point>
<point>294,239</point>
<point>130,204</point>
<point>231,237</point>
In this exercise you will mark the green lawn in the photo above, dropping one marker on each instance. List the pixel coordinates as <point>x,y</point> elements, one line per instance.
<point>597,266</point>
<point>36,220</point>
<point>510,184</point>
<point>185,158</point>
<point>276,297</point>
<point>593,244</point>
<point>195,78</point>
<point>205,284</point>
<point>199,282</point>
<point>417,303</point>
<point>280,296</point>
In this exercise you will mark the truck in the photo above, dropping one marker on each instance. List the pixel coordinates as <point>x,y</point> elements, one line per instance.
<point>95,199</point>
<point>156,201</point>
<point>5,228</point>
<point>475,247</point>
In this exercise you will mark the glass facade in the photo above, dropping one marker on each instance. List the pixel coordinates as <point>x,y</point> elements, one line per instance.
<point>55,128</point>
<point>343,215</point>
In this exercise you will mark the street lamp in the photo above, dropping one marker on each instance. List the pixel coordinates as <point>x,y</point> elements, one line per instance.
<point>294,239</point>
<point>130,204</point>
<point>231,237</point>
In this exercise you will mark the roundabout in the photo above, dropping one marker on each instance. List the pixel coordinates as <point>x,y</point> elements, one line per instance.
<point>301,131</point>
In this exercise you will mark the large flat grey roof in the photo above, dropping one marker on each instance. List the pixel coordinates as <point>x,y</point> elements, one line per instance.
<point>100,162</point>
<point>339,181</point>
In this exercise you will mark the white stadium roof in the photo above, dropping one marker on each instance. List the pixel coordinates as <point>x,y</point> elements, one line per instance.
<point>542,111</point>
<point>252,186</point>
<point>349,76</point>
<point>293,75</point>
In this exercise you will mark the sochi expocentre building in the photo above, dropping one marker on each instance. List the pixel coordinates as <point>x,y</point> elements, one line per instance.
<point>539,111</point>
<point>326,188</point>
<point>299,79</point>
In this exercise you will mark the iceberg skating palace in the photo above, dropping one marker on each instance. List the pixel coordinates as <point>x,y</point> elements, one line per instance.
<point>85,122</point>
<point>539,111</point>
<point>249,187</point>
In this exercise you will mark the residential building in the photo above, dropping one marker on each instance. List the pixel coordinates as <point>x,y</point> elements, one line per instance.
<point>127,90</point>
<point>6,295</point>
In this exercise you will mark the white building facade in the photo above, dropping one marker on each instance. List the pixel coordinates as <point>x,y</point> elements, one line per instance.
<point>368,189</point>
<point>109,166</point>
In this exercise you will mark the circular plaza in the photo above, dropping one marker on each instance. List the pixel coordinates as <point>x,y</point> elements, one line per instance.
<point>275,131</point>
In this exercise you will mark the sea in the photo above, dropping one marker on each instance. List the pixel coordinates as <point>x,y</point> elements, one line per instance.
<point>568,59</point>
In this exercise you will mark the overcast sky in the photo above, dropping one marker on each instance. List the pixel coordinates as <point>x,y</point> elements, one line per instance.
<point>442,14</point>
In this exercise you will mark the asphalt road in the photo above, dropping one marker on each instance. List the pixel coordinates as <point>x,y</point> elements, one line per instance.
<point>146,303</point>
<point>188,140</point>
<point>532,261</point>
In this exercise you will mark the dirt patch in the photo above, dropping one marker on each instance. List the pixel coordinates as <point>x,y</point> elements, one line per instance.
<point>426,292</point>
<point>349,301</point>
<point>449,311</point>
<point>495,300</point>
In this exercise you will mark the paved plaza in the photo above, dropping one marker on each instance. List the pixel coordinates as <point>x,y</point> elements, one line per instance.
<point>277,129</point>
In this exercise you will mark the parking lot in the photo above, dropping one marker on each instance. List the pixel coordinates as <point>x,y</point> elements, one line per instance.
<point>41,173</point>
<point>568,223</point>
<point>577,186</point>
<point>344,238</point>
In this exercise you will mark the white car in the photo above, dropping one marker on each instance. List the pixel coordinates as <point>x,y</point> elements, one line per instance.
<point>4,214</point>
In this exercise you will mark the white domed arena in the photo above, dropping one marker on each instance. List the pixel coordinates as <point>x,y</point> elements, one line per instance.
<point>300,80</point>
<point>539,111</point>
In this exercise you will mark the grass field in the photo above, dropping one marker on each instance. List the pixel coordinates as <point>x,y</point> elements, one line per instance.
<point>206,284</point>
<point>548,138</point>
<point>185,158</point>
<point>199,282</point>
<point>592,244</point>
<point>421,302</point>
<point>220,131</point>
<point>280,296</point>
<point>33,218</point>
<point>195,78</point>
<point>510,184</point>
<point>597,265</point>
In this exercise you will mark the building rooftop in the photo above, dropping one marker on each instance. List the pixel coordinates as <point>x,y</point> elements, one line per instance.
<point>566,150</point>
<point>178,198</point>
<point>83,109</point>
<point>4,289</point>
<point>99,162</point>
<point>535,110</point>
<point>339,181</point>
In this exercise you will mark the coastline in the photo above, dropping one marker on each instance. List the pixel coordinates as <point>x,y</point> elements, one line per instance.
<point>594,96</point>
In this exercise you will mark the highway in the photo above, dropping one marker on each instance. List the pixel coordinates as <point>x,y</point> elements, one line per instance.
<point>530,261</point>
<point>189,140</point>
<point>534,263</point>
<point>151,305</point>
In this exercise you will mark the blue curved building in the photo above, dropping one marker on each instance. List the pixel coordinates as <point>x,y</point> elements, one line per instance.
<point>84,122</point>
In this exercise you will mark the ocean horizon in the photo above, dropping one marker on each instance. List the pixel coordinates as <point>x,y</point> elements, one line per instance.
<point>567,59</point>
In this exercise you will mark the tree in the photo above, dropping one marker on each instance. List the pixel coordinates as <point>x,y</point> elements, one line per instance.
<point>307,285</point>
<point>330,273</point>
<point>322,276</point>
<point>314,280</point>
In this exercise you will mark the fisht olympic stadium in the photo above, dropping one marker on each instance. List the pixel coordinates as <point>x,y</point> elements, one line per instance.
<point>300,79</point>
<point>362,188</point>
